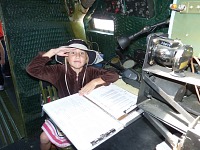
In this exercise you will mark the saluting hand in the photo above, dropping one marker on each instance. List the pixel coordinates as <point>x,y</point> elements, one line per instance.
<point>60,51</point>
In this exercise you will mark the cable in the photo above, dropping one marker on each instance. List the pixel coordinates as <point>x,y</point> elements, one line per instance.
<point>91,44</point>
<point>66,76</point>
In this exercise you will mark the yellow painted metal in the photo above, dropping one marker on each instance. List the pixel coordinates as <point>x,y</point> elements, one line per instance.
<point>76,21</point>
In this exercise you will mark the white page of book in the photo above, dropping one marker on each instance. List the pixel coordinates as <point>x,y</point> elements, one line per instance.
<point>114,100</point>
<point>85,124</point>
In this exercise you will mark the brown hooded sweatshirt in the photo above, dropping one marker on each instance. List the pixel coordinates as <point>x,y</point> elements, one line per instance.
<point>55,74</point>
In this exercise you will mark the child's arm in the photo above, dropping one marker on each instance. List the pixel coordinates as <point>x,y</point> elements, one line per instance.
<point>100,77</point>
<point>61,51</point>
<point>2,53</point>
<point>91,86</point>
<point>38,68</point>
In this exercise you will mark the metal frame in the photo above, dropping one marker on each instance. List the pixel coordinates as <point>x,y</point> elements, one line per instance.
<point>149,89</point>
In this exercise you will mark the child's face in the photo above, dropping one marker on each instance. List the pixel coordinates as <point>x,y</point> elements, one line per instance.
<point>77,58</point>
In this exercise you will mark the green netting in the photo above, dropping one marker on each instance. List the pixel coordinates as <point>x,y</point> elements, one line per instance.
<point>128,25</point>
<point>32,26</point>
<point>103,43</point>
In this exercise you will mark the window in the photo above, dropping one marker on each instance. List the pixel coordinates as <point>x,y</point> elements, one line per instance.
<point>103,24</point>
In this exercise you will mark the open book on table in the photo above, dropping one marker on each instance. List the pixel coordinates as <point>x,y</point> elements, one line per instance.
<point>89,120</point>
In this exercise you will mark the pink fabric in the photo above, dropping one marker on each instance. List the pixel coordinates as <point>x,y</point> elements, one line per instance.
<point>1,31</point>
<point>56,137</point>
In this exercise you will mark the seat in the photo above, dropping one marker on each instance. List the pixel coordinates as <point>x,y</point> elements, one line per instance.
<point>48,94</point>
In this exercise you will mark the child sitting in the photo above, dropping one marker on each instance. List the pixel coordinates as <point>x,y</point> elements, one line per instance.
<point>74,76</point>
